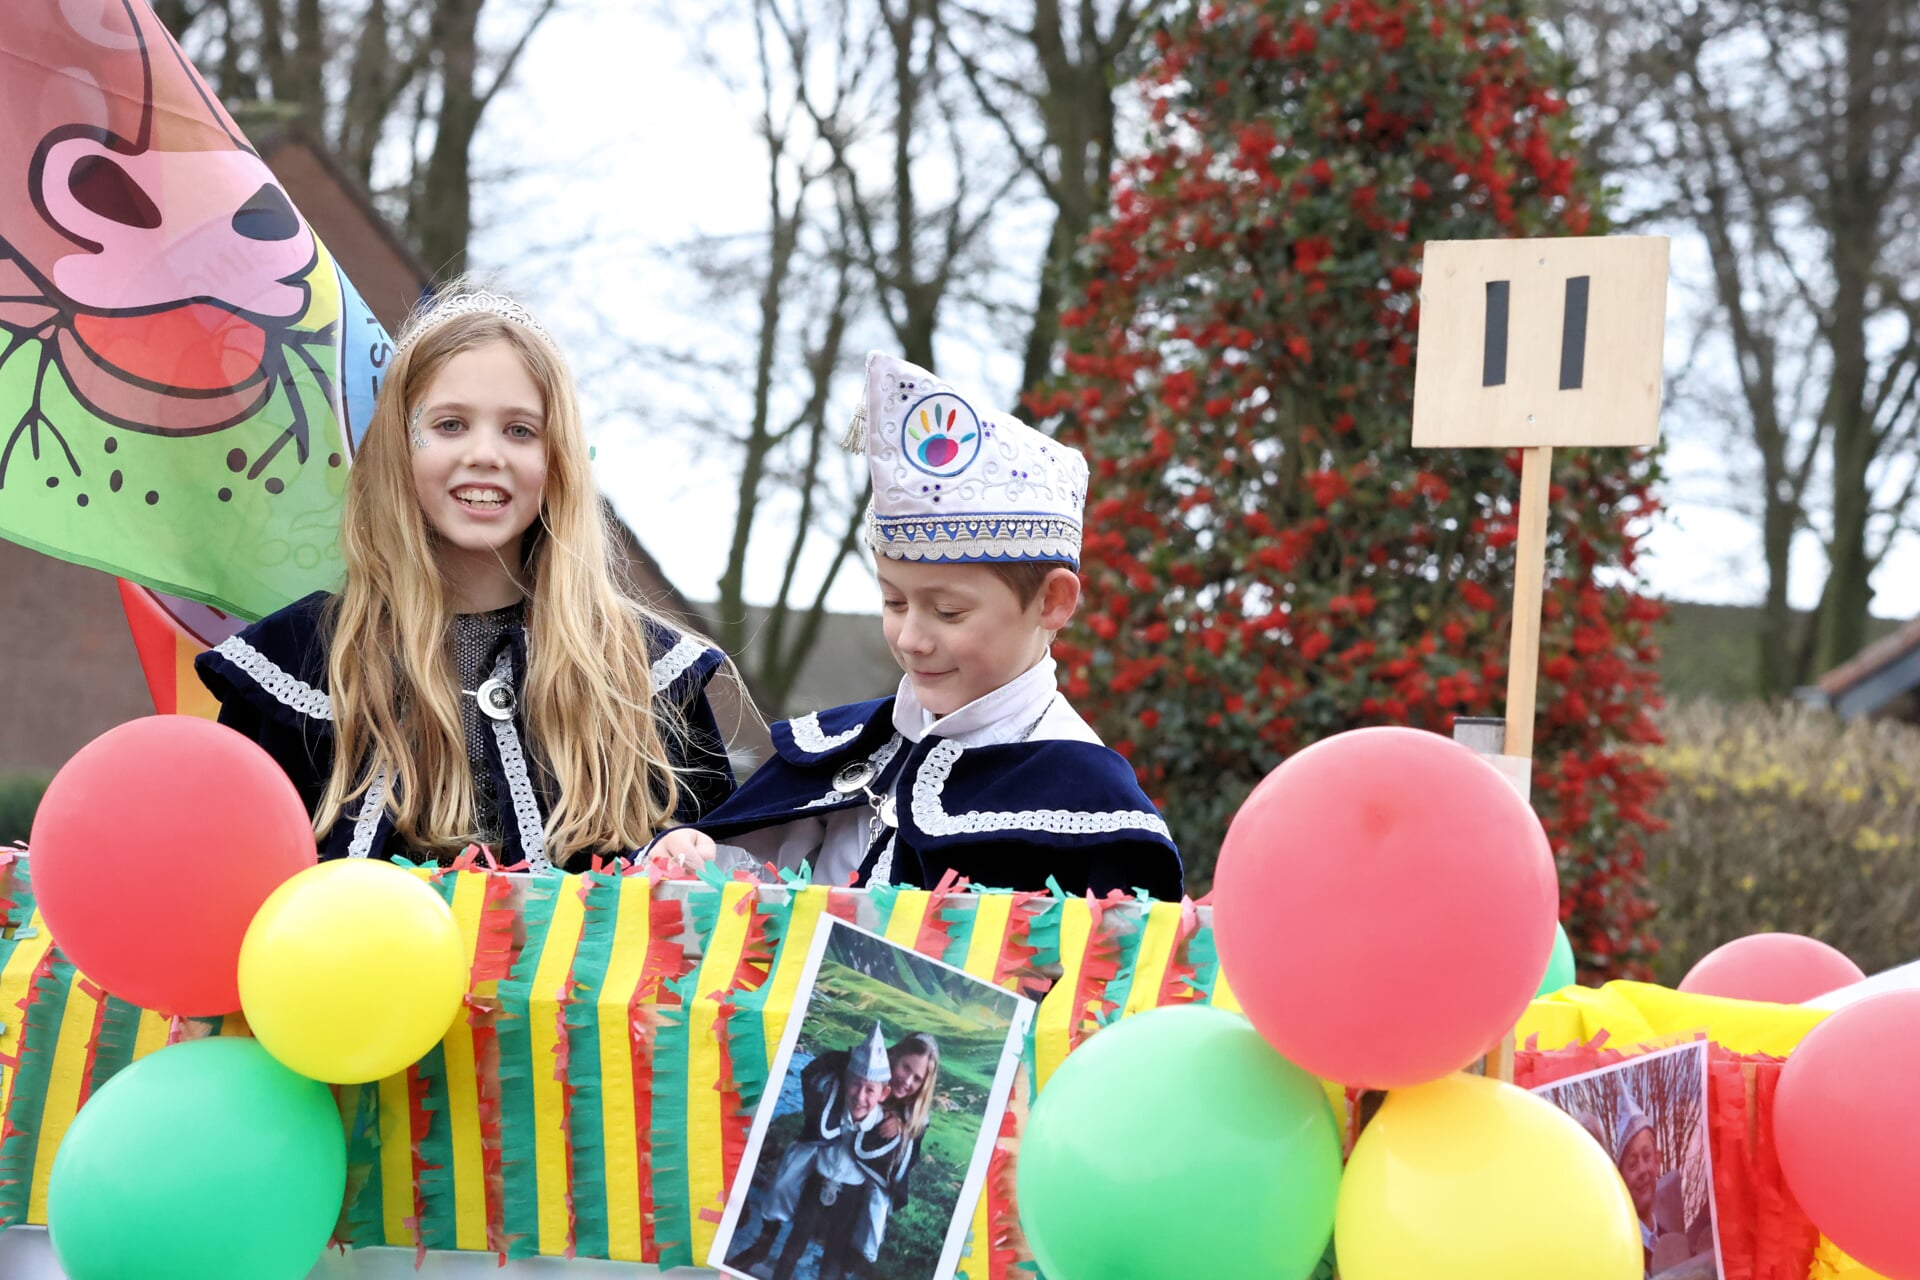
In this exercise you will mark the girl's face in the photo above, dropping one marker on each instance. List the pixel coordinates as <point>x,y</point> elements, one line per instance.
<point>909,1073</point>
<point>480,454</point>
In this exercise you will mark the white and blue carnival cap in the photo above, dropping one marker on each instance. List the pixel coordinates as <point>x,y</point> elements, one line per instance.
<point>956,481</point>
<point>869,1061</point>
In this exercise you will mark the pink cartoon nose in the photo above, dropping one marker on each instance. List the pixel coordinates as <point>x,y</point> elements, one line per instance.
<point>160,229</point>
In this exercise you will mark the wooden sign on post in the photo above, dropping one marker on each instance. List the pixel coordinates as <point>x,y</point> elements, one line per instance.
<point>1533,344</point>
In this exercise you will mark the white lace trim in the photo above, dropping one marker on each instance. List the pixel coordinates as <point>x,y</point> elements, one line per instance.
<point>675,662</point>
<point>513,761</point>
<point>367,821</point>
<point>807,735</point>
<point>932,818</point>
<point>883,865</point>
<point>288,690</point>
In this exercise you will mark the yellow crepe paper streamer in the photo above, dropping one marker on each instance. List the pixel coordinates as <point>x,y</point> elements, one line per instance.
<point>1150,963</point>
<point>463,1092</point>
<point>1223,997</point>
<point>1830,1262</point>
<point>803,921</point>
<point>1053,1023</point>
<point>396,1145</point>
<point>626,965</point>
<point>1636,1013</point>
<point>64,1082</point>
<point>152,1033</point>
<point>706,1169</point>
<point>544,1004</point>
<point>909,913</point>
<point>396,1159</point>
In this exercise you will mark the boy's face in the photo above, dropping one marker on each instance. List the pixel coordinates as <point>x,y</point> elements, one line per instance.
<point>863,1096</point>
<point>960,632</point>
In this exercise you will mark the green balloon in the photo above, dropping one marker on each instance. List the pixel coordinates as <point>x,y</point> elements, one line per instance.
<point>1176,1144</point>
<point>1559,964</point>
<point>205,1161</point>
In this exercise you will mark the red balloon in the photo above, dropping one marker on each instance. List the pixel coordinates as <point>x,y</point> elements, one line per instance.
<point>151,851</point>
<point>1784,968</point>
<point>1384,907</point>
<point>1846,1121</point>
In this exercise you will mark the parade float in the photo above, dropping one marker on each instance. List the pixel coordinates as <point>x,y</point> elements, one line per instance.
<point>573,1062</point>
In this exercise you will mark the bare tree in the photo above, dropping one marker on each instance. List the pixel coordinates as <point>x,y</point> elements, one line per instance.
<point>1784,134</point>
<point>886,192</point>
<point>1045,73</point>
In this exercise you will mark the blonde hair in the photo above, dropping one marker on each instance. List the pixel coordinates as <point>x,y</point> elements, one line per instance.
<point>588,693</point>
<point>915,1110</point>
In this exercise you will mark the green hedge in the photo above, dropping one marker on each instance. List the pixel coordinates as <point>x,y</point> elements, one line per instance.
<point>19,797</point>
<point>1786,818</point>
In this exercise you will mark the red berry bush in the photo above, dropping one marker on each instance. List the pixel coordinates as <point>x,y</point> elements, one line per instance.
<point>1268,561</point>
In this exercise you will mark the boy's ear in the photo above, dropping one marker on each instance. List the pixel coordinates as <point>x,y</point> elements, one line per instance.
<point>1059,597</point>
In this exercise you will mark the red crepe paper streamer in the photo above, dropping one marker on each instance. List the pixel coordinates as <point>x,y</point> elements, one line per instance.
<point>493,959</point>
<point>1017,952</point>
<point>935,934</point>
<point>666,960</point>
<point>756,962</point>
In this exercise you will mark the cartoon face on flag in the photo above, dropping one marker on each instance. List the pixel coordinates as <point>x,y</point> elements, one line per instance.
<point>182,366</point>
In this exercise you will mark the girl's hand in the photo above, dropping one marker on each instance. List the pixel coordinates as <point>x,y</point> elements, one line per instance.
<point>889,1126</point>
<point>680,853</point>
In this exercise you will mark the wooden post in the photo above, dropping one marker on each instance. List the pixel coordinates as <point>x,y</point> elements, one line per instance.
<point>1529,585</point>
<point>1533,345</point>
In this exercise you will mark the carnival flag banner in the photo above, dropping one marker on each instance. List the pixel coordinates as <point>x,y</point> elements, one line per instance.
<point>183,369</point>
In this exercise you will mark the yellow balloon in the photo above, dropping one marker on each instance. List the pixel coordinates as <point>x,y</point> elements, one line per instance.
<point>351,971</point>
<point>1472,1179</point>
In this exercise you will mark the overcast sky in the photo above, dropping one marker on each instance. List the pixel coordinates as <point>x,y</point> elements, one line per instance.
<point>596,199</point>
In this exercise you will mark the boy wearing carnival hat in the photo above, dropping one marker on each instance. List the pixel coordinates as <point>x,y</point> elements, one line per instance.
<point>977,764</point>
<point>841,1092</point>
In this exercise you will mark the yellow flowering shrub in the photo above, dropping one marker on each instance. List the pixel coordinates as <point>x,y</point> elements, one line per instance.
<point>1786,818</point>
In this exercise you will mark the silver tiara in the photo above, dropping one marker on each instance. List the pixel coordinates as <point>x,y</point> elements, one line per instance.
<point>466,303</point>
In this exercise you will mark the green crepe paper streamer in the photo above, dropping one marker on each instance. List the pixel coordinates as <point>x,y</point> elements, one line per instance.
<point>672,1198</point>
<point>113,1047</point>
<point>437,1228</point>
<point>586,1128</point>
<point>883,897</point>
<point>960,914</point>
<point>519,1175</point>
<point>746,1029</point>
<point>1117,990</point>
<point>1204,956</point>
<point>26,1105</point>
<point>365,1214</point>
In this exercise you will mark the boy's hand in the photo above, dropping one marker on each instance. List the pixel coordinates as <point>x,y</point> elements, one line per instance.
<point>681,852</point>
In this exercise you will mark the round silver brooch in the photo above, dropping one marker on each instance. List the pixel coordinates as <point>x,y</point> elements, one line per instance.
<point>853,778</point>
<point>495,698</point>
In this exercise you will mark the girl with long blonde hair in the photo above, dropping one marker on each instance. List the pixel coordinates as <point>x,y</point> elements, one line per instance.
<point>481,676</point>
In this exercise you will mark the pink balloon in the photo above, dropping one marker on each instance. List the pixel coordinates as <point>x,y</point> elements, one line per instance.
<point>1846,1121</point>
<point>1783,968</point>
<point>151,850</point>
<point>1384,907</point>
